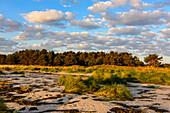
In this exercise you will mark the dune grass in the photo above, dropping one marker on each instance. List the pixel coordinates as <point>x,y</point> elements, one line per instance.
<point>115,92</point>
<point>155,75</point>
<point>92,85</point>
<point>1,72</point>
<point>72,85</point>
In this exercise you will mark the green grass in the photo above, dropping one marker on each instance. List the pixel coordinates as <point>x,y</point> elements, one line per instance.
<point>154,75</point>
<point>72,85</point>
<point>115,92</point>
<point>1,72</point>
<point>92,85</point>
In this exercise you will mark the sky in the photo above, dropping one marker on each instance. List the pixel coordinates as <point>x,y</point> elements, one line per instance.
<point>140,27</point>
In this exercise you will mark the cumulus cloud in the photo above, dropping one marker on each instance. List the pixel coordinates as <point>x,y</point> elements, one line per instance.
<point>7,25</point>
<point>138,4</point>
<point>82,46</point>
<point>160,4</point>
<point>85,24</point>
<point>103,6</point>
<point>48,44</point>
<point>56,35</point>
<point>72,2</point>
<point>129,30</point>
<point>49,17</point>
<point>100,7</point>
<point>168,25</point>
<point>66,5</point>
<point>135,4</point>
<point>149,34</point>
<point>31,33</point>
<point>6,42</point>
<point>134,17</point>
<point>7,45</point>
<point>165,33</point>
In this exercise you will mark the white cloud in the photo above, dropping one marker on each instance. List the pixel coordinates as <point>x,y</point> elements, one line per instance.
<point>82,46</point>
<point>138,4</point>
<point>48,45</point>
<point>149,34</point>
<point>168,25</point>
<point>1,17</point>
<point>134,17</point>
<point>100,7</point>
<point>69,16</point>
<point>160,4</point>
<point>49,17</point>
<point>6,42</point>
<point>129,30</point>
<point>165,33</point>
<point>7,25</point>
<point>103,6</point>
<point>85,24</point>
<point>56,35</point>
<point>72,2</point>
<point>66,5</point>
<point>31,33</point>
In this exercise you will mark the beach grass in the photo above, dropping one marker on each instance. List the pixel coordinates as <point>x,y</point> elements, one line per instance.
<point>148,74</point>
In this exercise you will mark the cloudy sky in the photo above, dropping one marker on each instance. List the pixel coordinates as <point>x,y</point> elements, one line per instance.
<point>140,27</point>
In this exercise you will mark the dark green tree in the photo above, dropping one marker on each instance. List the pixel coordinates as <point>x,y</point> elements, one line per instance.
<point>153,60</point>
<point>2,59</point>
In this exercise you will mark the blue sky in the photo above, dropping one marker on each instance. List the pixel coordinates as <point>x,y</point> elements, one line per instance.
<point>140,27</point>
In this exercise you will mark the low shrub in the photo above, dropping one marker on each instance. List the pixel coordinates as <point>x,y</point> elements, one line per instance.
<point>115,92</point>
<point>7,68</point>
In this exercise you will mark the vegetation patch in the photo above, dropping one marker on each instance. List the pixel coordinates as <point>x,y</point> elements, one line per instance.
<point>115,92</point>
<point>72,85</point>
<point>107,74</point>
<point>1,72</point>
<point>92,85</point>
<point>17,72</point>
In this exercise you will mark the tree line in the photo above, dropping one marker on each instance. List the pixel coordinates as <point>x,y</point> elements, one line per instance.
<point>49,58</point>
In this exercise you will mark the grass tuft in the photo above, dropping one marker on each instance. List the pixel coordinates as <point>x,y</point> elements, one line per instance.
<point>1,72</point>
<point>115,92</point>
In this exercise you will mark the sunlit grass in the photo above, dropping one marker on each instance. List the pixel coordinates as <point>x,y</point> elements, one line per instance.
<point>115,92</point>
<point>156,75</point>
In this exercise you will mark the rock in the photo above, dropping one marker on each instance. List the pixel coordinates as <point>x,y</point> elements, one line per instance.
<point>64,111</point>
<point>33,109</point>
<point>84,97</point>
<point>22,109</point>
<point>72,102</point>
<point>157,108</point>
<point>146,100</point>
<point>127,110</point>
<point>165,98</point>
<point>121,104</point>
